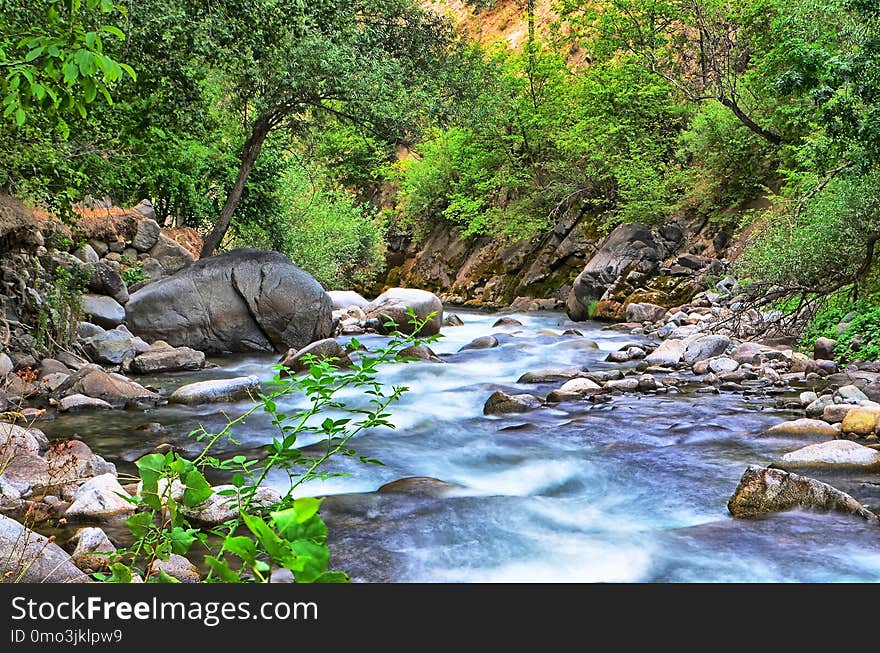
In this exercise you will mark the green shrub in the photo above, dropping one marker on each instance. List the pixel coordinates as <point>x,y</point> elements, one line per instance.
<point>860,340</point>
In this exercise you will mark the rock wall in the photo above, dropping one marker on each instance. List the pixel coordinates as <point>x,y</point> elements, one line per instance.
<point>573,265</point>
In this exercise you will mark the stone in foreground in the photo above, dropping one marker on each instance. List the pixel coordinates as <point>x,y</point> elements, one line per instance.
<point>221,390</point>
<point>28,557</point>
<point>100,498</point>
<point>763,491</point>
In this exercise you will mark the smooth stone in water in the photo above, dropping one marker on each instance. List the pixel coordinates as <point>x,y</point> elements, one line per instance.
<point>861,421</point>
<point>507,322</point>
<point>452,320</point>
<point>670,352</point>
<point>221,390</point>
<point>483,342</point>
<point>762,491</point>
<point>168,360</point>
<point>395,304</point>
<point>803,426</point>
<point>326,349</point>
<point>550,376</point>
<point>341,299</point>
<point>76,402</point>
<point>837,453</point>
<point>835,413</point>
<point>28,557</point>
<point>705,347</point>
<point>419,486</point>
<point>177,567</point>
<point>500,403</point>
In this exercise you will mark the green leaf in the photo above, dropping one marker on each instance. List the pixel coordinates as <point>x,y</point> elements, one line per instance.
<point>315,557</point>
<point>243,547</point>
<point>115,31</point>
<point>139,523</point>
<point>222,570</point>
<point>120,573</point>
<point>279,550</point>
<point>197,489</point>
<point>333,577</point>
<point>33,54</point>
<point>20,116</point>
<point>162,579</point>
<point>181,540</point>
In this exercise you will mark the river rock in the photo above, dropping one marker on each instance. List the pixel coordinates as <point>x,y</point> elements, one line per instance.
<point>170,359</point>
<point>550,376</point>
<point>483,342</point>
<point>103,311</point>
<point>394,303</point>
<point>419,352</point>
<point>723,364</point>
<point>22,474</point>
<point>823,349</point>
<point>861,421</point>
<point>146,236</point>
<point>326,349</point>
<point>629,384</point>
<point>218,509</point>
<point>6,365</point>
<point>644,312</point>
<point>99,498</point>
<point>51,366</point>
<point>93,549</point>
<point>705,347</point>
<point>28,557</point>
<point>221,390</point>
<point>344,298</point>
<point>803,426</point>
<point>837,453</point>
<point>817,408</point>
<point>749,352</point>
<point>76,402</point>
<point>507,322</point>
<point>802,363</point>
<point>629,247</point>
<point>500,403</point>
<point>86,330</point>
<point>763,491</point>
<point>113,347</point>
<point>670,352</point>
<point>835,413</point>
<point>177,567</point>
<point>106,281</point>
<point>419,486</point>
<point>581,386</point>
<point>116,390</point>
<point>15,441</point>
<point>806,398</point>
<point>73,460</point>
<point>850,394</point>
<point>241,301</point>
<point>625,355</point>
<point>452,320</point>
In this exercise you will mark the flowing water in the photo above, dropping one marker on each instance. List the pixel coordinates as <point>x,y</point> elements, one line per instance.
<point>634,489</point>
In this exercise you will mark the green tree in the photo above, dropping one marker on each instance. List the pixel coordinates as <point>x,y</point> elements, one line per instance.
<point>378,64</point>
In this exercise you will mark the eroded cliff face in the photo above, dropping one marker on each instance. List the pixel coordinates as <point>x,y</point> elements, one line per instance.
<point>574,265</point>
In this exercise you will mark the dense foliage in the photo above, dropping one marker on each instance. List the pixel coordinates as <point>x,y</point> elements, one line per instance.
<point>313,127</point>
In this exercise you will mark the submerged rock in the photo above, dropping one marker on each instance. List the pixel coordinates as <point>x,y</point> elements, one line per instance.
<point>483,342</point>
<point>421,486</point>
<point>452,320</point>
<point>507,322</point>
<point>500,403</point>
<point>764,490</point>
<point>419,352</point>
<point>550,376</point>
<point>221,390</point>
<point>326,349</point>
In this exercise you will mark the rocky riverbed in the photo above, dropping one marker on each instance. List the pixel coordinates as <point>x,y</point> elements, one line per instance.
<point>588,464</point>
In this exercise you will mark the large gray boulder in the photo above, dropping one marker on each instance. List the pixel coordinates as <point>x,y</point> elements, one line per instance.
<point>629,247</point>
<point>763,490</point>
<point>99,498</point>
<point>394,305</point>
<point>836,454</point>
<point>28,557</point>
<point>646,312</point>
<point>146,236</point>
<point>700,349</point>
<point>113,346</point>
<point>244,300</point>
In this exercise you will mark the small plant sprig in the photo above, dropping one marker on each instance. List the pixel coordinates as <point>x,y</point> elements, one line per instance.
<point>289,533</point>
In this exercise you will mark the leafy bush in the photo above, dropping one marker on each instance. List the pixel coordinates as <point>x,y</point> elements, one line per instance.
<point>859,340</point>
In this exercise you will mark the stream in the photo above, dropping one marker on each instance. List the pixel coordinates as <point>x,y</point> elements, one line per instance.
<point>631,490</point>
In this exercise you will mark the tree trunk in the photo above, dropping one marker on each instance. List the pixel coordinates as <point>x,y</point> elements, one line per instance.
<point>766,134</point>
<point>261,128</point>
